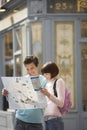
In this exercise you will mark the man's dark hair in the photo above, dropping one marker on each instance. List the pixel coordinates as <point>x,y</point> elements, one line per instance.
<point>50,67</point>
<point>31,59</point>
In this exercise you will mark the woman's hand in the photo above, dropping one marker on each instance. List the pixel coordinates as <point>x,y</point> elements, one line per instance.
<point>45,92</point>
<point>4,92</point>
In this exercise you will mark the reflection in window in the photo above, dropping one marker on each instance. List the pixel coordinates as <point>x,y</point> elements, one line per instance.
<point>18,40</point>
<point>36,29</point>
<point>84,29</point>
<point>18,65</point>
<point>84,74</point>
<point>36,6</point>
<point>82,6</point>
<point>18,51</point>
<point>8,45</point>
<point>66,6</point>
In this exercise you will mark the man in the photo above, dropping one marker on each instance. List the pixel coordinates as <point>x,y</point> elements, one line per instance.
<point>30,119</point>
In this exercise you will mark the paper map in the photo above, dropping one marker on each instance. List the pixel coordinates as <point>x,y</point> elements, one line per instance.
<point>22,93</point>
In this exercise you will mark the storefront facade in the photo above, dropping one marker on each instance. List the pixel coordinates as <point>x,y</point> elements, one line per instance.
<point>57,32</point>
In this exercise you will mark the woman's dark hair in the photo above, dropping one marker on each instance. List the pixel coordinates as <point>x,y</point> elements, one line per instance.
<point>50,67</point>
<point>31,59</point>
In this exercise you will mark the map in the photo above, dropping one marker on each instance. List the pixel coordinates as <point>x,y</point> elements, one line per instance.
<point>23,93</point>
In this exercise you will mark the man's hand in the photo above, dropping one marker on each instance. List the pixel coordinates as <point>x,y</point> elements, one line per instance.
<point>4,92</point>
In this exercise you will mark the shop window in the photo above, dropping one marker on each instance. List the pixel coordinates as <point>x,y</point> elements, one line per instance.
<point>36,32</point>
<point>84,29</point>
<point>13,53</point>
<point>64,48</point>
<point>84,74</point>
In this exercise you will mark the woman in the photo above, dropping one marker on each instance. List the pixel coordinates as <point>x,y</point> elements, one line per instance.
<point>52,115</point>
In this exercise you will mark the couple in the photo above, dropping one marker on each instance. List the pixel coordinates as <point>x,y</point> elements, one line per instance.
<point>32,119</point>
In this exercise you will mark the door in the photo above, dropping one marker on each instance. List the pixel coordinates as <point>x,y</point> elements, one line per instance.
<point>67,37</point>
<point>83,50</point>
<point>84,84</point>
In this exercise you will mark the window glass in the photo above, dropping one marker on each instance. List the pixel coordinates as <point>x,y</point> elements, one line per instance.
<point>35,7</point>
<point>66,6</point>
<point>8,50</point>
<point>36,29</point>
<point>84,74</point>
<point>64,48</point>
<point>18,65</point>
<point>18,39</point>
<point>84,29</point>
<point>13,53</point>
<point>18,52</point>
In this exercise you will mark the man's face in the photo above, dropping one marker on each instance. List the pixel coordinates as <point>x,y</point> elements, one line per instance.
<point>32,69</point>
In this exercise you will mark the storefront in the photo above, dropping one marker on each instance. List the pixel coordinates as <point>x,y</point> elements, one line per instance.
<point>57,32</point>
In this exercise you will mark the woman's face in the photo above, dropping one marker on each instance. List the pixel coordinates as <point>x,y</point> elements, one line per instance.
<point>47,76</point>
<point>32,69</point>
